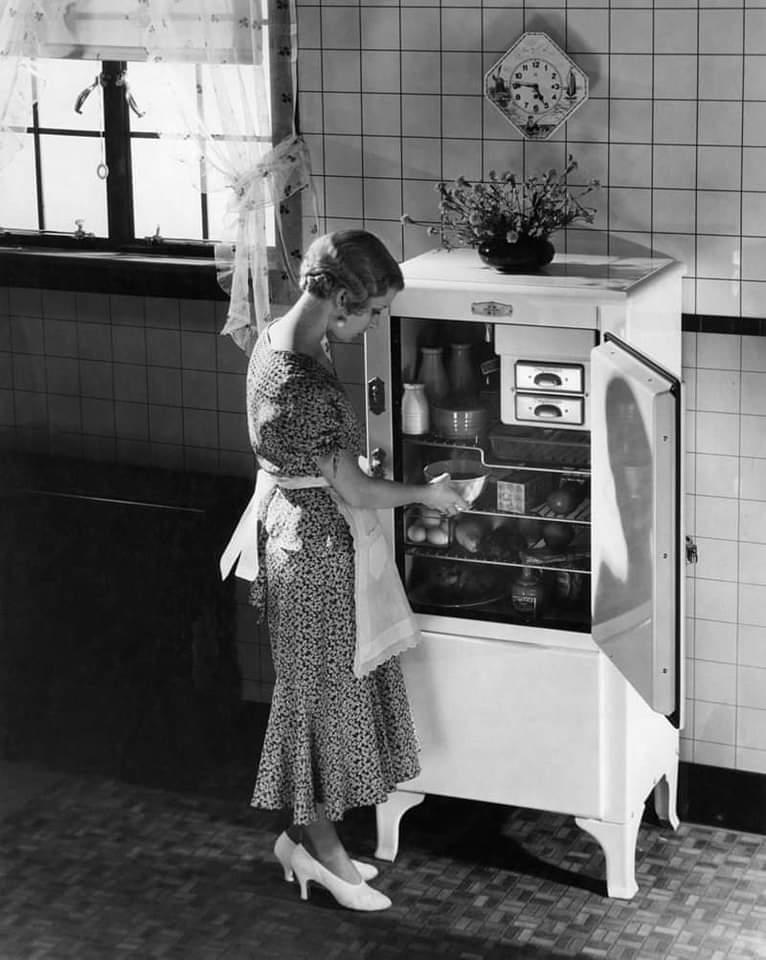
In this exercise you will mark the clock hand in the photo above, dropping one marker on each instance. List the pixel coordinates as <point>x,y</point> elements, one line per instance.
<point>525,83</point>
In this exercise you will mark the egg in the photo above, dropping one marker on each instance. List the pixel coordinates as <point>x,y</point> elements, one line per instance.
<point>416,533</point>
<point>437,536</point>
<point>430,518</point>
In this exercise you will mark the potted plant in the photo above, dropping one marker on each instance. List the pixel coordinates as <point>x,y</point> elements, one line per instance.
<point>509,220</point>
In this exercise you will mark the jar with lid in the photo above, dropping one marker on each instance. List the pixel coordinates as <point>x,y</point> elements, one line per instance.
<point>415,416</point>
<point>432,373</point>
<point>528,594</point>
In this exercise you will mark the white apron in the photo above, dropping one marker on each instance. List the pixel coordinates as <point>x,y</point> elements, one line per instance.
<point>385,624</point>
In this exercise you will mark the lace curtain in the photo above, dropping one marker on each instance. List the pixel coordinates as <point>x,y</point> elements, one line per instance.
<point>231,132</point>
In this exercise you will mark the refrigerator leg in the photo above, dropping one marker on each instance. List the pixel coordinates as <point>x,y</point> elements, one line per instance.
<point>618,841</point>
<point>665,797</point>
<point>388,816</point>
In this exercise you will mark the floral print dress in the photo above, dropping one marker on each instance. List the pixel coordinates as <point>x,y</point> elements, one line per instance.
<point>331,738</point>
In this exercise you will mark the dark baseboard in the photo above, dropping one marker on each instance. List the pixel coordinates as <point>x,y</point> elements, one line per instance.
<point>719,797</point>
<point>742,326</point>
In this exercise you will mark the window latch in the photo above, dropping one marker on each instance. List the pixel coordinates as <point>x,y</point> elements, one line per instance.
<point>101,80</point>
<point>156,237</point>
<point>83,95</point>
<point>121,80</point>
<point>81,232</point>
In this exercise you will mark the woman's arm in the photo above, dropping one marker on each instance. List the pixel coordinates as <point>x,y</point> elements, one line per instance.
<point>357,489</point>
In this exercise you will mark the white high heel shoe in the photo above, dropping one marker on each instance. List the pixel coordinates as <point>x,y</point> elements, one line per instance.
<point>353,896</point>
<point>283,850</point>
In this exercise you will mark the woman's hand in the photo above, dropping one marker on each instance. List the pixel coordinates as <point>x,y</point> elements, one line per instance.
<point>442,495</point>
<point>359,490</point>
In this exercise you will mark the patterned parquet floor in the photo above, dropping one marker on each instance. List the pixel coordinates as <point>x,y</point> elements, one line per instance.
<point>97,869</point>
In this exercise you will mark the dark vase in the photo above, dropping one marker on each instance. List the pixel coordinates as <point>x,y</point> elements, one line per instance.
<point>526,255</point>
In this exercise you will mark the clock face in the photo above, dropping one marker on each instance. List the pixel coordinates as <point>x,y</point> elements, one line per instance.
<point>536,86</point>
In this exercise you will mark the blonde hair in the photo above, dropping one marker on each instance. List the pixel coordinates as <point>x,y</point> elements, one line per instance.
<point>352,260</point>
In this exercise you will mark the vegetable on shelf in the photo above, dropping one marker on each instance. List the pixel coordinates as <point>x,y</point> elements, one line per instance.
<point>468,533</point>
<point>565,498</point>
<point>557,535</point>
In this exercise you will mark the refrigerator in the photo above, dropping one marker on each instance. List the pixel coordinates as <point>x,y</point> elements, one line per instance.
<point>550,670</point>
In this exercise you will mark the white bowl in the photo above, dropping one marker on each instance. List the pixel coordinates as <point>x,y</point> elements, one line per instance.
<point>468,476</point>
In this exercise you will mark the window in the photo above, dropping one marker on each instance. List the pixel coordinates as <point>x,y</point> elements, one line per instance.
<point>120,168</point>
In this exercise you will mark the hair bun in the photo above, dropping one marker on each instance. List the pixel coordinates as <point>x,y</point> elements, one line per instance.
<point>320,283</point>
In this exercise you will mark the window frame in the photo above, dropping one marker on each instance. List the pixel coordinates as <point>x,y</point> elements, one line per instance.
<point>152,266</point>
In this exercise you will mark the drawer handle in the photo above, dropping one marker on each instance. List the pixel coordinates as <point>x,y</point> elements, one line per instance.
<point>548,380</point>
<point>547,411</point>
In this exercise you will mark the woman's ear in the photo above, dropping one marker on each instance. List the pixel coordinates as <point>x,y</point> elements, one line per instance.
<point>341,300</point>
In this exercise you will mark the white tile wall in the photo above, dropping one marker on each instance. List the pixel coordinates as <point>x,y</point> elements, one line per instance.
<point>726,514</point>
<point>674,127</point>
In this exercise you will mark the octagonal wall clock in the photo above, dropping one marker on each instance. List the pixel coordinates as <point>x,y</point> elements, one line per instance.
<point>536,86</point>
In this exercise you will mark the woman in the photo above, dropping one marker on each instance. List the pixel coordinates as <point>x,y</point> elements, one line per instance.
<point>335,740</point>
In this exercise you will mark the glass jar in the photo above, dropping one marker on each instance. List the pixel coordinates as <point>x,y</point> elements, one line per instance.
<point>463,381</point>
<point>415,417</point>
<point>528,593</point>
<point>432,373</point>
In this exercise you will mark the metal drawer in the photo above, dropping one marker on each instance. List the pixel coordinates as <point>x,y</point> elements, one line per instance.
<point>546,408</point>
<point>558,377</point>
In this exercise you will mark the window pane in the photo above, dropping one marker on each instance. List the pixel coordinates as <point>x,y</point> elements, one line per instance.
<point>18,203</point>
<point>221,224</point>
<point>166,191</point>
<point>156,98</point>
<point>72,190</point>
<point>63,81</point>
<point>230,103</point>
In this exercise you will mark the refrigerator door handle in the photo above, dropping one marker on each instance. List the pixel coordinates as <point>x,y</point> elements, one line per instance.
<point>377,462</point>
<point>376,396</point>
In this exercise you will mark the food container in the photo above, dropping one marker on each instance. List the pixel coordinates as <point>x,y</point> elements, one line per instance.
<point>428,528</point>
<point>520,490</point>
<point>468,476</point>
<point>528,593</point>
<point>458,422</point>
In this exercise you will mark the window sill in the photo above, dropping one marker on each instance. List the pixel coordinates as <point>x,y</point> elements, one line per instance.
<point>98,271</point>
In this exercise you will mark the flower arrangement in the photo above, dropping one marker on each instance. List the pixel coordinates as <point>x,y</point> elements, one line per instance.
<point>508,208</point>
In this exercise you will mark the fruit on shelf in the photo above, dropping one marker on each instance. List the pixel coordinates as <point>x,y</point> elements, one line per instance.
<point>503,543</point>
<point>468,533</point>
<point>558,535</point>
<point>565,498</point>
